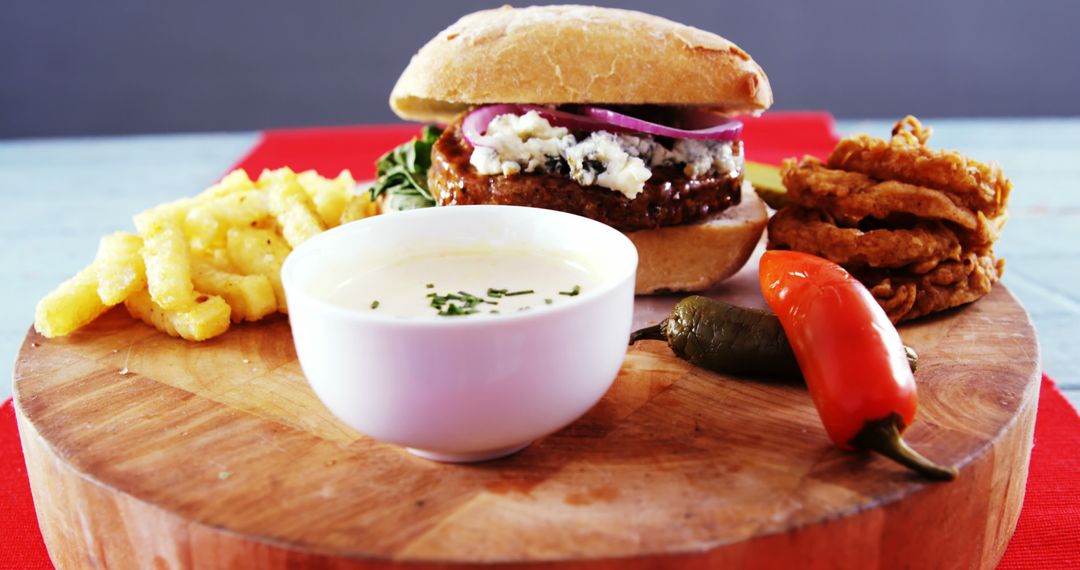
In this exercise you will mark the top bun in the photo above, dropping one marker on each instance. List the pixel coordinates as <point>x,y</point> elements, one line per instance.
<point>576,54</point>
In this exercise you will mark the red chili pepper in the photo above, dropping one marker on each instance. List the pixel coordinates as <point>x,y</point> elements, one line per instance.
<point>850,355</point>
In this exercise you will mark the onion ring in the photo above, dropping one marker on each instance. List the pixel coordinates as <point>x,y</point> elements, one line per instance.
<point>810,231</point>
<point>952,283</point>
<point>906,158</point>
<point>851,197</point>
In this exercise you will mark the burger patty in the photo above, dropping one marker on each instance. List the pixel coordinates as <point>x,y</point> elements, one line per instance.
<point>669,198</point>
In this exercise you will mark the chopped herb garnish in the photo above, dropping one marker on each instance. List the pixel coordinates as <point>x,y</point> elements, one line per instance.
<point>438,301</point>
<point>548,301</point>
<point>375,304</point>
<point>454,304</point>
<point>465,303</point>
<point>430,285</point>
<point>573,292</point>
<point>499,293</point>
<point>452,310</point>
<point>473,300</point>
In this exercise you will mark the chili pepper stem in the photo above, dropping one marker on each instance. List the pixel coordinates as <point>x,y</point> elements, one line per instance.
<point>883,436</point>
<point>655,332</point>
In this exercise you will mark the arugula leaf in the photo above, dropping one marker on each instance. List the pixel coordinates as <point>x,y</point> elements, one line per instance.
<point>402,173</point>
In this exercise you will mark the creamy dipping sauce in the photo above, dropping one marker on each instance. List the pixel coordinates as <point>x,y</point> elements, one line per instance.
<point>457,283</point>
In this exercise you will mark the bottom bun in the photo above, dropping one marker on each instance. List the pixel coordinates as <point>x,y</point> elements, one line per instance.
<point>697,256</point>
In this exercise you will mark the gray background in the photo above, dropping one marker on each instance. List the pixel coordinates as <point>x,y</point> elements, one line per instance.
<point>72,67</point>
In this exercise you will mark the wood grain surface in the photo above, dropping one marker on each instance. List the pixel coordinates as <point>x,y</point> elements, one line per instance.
<point>148,452</point>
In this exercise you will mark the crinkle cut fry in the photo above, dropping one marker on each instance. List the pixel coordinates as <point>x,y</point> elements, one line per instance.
<point>851,197</point>
<point>906,158</point>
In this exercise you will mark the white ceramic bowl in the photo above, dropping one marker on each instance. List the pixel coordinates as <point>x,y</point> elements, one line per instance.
<point>463,388</point>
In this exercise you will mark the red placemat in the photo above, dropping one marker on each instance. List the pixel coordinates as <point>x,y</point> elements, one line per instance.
<point>1047,536</point>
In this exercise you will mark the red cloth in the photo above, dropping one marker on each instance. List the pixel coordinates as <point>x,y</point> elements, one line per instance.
<point>21,545</point>
<point>327,150</point>
<point>1047,536</point>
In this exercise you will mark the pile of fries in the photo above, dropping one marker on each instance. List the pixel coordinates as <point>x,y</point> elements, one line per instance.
<point>199,264</point>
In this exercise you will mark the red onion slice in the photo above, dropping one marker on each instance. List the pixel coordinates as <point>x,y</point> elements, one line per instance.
<point>722,130</point>
<point>476,123</point>
<point>572,121</point>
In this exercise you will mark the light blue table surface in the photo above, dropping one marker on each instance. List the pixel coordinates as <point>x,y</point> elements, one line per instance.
<point>58,196</point>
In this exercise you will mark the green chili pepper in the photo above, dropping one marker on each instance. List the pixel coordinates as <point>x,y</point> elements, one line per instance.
<point>725,338</point>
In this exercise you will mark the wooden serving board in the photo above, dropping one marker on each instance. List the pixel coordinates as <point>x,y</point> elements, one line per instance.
<point>148,452</point>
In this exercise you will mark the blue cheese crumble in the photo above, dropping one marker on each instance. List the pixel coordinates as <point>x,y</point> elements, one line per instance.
<point>617,161</point>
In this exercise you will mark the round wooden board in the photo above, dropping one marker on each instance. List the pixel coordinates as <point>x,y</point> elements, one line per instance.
<point>149,452</point>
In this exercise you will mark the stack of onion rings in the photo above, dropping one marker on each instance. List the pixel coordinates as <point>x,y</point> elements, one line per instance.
<point>916,225</point>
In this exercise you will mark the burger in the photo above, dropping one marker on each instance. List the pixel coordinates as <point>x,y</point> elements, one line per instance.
<point>615,115</point>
